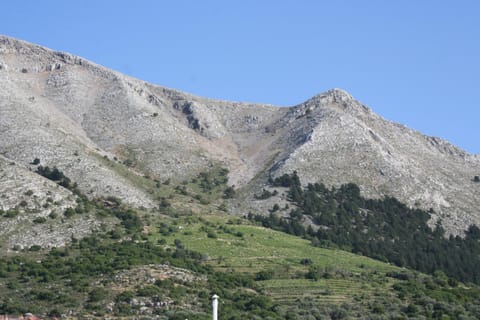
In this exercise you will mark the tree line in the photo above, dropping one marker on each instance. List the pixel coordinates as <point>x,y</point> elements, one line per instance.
<point>384,229</point>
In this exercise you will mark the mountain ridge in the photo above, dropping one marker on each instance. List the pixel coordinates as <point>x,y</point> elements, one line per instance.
<point>74,114</point>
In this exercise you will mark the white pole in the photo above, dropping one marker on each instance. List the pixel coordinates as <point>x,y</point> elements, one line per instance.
<point>215,306</point>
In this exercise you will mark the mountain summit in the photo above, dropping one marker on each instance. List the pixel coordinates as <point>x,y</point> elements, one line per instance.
<point>73,114</point>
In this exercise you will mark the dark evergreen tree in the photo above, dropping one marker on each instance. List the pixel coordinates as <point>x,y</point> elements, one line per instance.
<point>384,229</point>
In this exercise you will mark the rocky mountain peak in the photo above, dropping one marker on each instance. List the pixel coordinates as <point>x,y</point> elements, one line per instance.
<point>337,100</point>
<point>337,95</point>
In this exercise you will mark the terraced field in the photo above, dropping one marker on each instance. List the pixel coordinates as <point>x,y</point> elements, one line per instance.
<point>232,245</point>
<point>255,248</point>
<point>322,291</point>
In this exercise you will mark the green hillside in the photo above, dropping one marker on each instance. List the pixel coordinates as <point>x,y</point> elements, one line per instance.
<point>303,279</point>
<point>167,263</point>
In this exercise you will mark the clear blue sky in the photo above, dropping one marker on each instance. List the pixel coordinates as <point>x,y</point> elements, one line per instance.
<point>413,62</point>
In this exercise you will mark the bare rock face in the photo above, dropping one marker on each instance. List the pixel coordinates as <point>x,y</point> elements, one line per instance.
<point>101,128</point>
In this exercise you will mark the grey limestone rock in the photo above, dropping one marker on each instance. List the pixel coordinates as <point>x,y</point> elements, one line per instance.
<point>72,113</point>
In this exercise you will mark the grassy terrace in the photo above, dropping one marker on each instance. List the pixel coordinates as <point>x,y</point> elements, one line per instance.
<point>255,248</point>
<point>233,247</point>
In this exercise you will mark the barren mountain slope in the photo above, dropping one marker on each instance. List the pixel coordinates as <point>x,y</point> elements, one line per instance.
<point>73,114</point>
<point>32,209</point>
<point>69,112</point>
<point>349,143</point>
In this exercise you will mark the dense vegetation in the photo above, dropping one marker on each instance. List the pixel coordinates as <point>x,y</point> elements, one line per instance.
<point>86,277</point>
<point>384,229</point>
<point>308,282</point>
<point>55,175</point>
<point>74,278</point>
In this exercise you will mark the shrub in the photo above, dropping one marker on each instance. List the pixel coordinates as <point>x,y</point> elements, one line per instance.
<point>149,291</point>
<point>97,294</point>
<point>265,194</point>
<point>203,201</point>
<point>164,203</point>
<point>11,213</point>
<point>229,193</point>
<point>264,275</point>
<point>44,295</point>
<point>212,235</point>
<point>223,207</point>
<point>378,308</point>
<point>306,262</point>
<point>339,313</point>
<point>40,220</point>
<point>178,244</point>
<point>55,175</point>
<point>182,190</point>
<point>69,212</point>
<point>125,296</point>
<point>128,163</point>
<point>115,234</point>
<point>411,310</point>
<point>313,273</point>
<point>130,220</point>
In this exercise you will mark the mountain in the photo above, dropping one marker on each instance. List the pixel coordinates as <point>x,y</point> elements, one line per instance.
<point>113,195</point>
<point>104,129</point>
